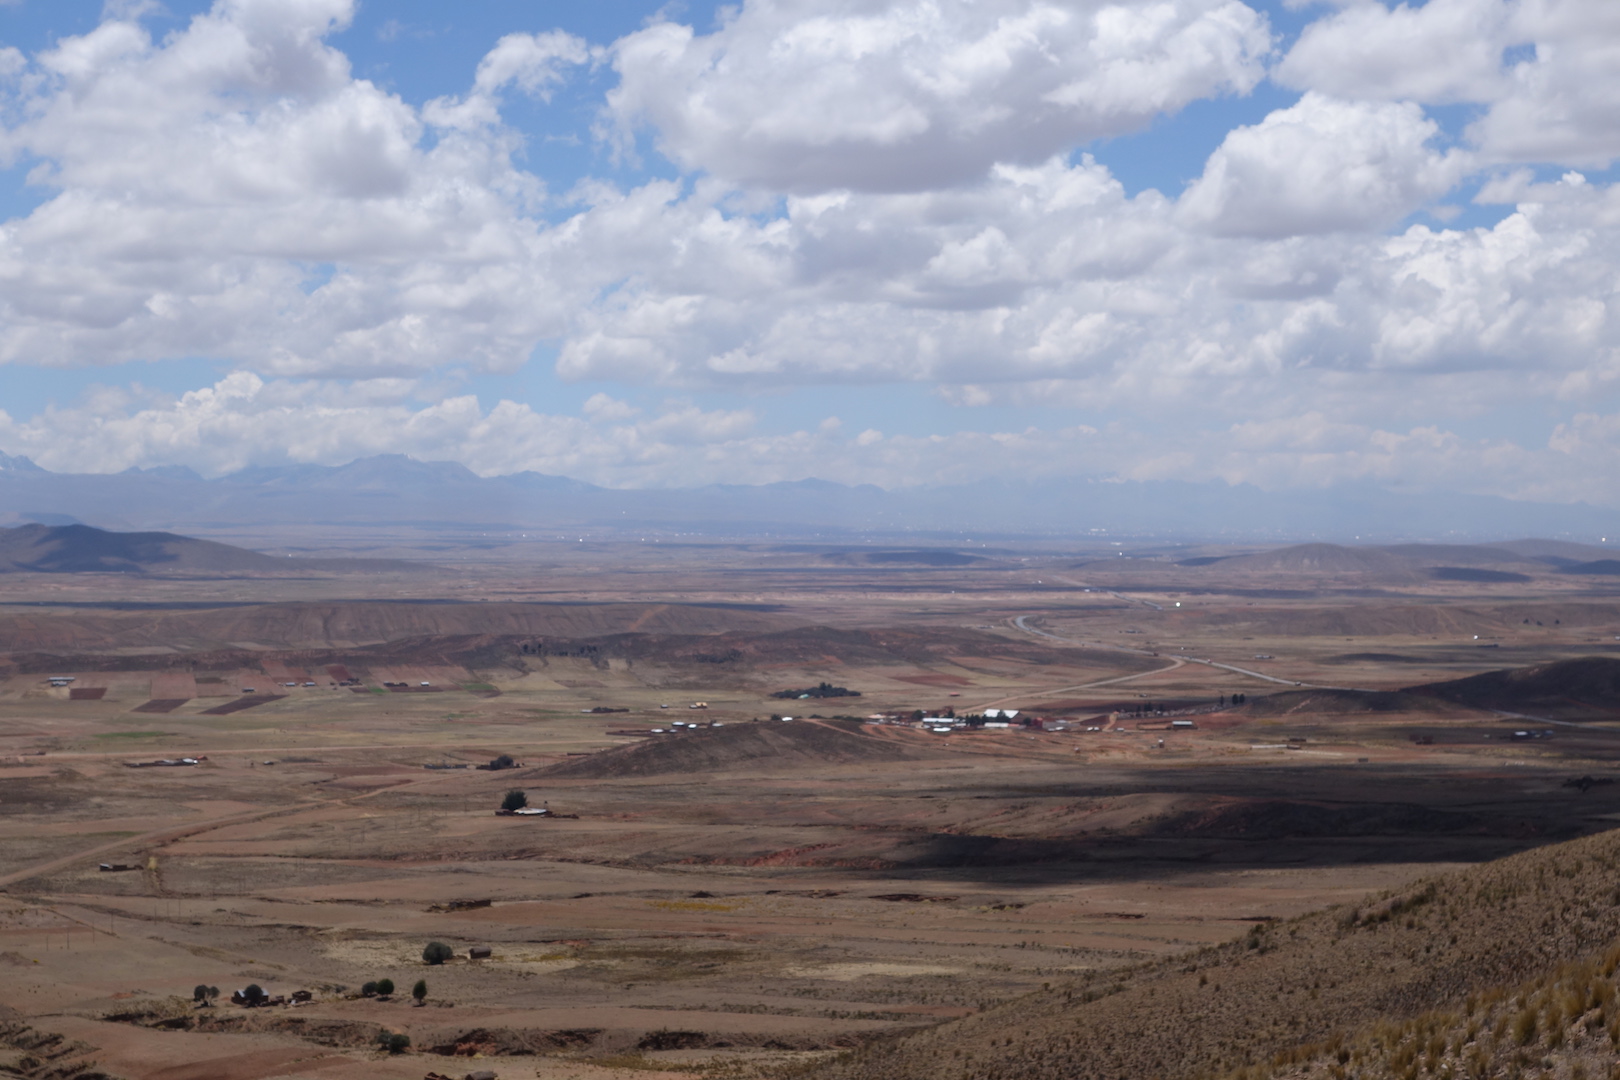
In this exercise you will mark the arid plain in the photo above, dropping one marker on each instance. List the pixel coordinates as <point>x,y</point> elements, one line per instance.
<point>747,895</point>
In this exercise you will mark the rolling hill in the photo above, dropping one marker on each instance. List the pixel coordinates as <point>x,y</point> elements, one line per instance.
<point>764,746</point>
<point>1586,688</point>
<point>83,549</point>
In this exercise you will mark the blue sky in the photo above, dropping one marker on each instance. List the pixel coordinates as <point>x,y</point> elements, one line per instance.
<point>901,243</point>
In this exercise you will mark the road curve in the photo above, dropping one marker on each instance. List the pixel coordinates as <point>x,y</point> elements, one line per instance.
<point>1175,662</point>
<point>180,832</point>
<point>1024,626</point>
<point>157,836</point>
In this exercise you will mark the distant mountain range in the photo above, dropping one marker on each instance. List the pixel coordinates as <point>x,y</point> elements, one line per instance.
<point>440,497</point>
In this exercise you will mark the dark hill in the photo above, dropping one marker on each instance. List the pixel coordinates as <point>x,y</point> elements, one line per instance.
<point>1458,554</point>
<point>1324,559</point>
<point>762,746</point>
<point>1341,988</point>
<point>1606,567</point>
<point>1555,552</point>
<point>1477,574</point>
<point>80,549</point>
<point>1587,688</point>
<point>908,557</point>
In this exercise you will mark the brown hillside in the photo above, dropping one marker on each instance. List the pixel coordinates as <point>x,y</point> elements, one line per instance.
<point>355,623</point>
<point>1338,703</point>
<point>1587,688</point>
<point>1288,985</point>
<point>1460,555</point>
<point>1324,559</point>
<point>1405,618</point>
<point>758,747</point>
<point>747,646</point>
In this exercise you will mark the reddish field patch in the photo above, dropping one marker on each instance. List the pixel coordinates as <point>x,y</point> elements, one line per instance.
<point>245,702</point>
<point>161,705</point>
<point>87,693</point>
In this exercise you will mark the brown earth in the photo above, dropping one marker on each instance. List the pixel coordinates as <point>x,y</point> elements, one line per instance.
<point>754,746</point>
<point>757,898</point>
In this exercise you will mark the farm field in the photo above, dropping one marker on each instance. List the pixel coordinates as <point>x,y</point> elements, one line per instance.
<point>717,890</point>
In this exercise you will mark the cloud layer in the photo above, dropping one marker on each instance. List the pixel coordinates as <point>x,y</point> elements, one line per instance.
<point>869,191</point>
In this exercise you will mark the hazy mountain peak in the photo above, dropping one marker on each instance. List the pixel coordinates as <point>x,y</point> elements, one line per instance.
<point>16,463</point>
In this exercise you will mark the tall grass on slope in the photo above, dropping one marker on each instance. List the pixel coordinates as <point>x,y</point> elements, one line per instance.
<point>1566,1024</point>
<point>1275,999</point>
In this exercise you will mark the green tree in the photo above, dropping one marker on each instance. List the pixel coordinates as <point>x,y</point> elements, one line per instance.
<point>437,952</point>
<point>368,990</point>
<point>419,991</point>
<point>254,994</point>
<point>515,800</point>
<point>385,987</point>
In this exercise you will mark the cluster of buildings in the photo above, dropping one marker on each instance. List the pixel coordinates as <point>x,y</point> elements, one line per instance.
<point>1004,719</point>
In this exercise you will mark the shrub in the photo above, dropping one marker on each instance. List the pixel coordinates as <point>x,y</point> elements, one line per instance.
<point>515,800</point>
<point>393,1042</point>
<point>369,990</point>
<point>437,952</point>
<point>1524,1026</point>
<point>419,991</point>
<point>385,987</point>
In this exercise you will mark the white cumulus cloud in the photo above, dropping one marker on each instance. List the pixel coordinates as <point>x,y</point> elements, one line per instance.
<point>1323,165</point>
<point>811,95</point>
<point>233,191</point>
<point>1546,71</point>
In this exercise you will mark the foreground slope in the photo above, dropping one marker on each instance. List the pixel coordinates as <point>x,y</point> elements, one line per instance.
<point>1286,990</point>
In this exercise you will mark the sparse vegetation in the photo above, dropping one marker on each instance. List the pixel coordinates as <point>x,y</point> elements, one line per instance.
<point>817,692</point>
<point>393,1042</point>
<point>1421,982</point>
<point>1186,971</point>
